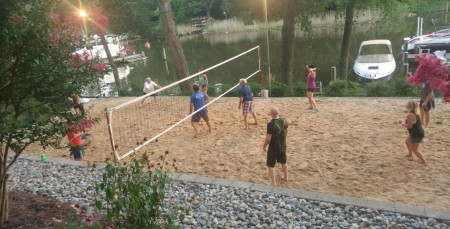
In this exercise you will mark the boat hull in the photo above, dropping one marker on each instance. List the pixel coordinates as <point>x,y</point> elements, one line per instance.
<point>367,72</point>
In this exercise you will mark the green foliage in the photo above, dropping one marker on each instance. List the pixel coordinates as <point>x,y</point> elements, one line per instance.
<point>401,88</point>
<point>336,88</point>
<point>437,93</point>
<point>135,197</point>
<point>38,74</point>
<point>256,87</point>
<point>379,88</point>
<point>279,89</point>
<point>139,17</point>
<point>232,93</point>
<point>354,89</point>
<point>299,88</point>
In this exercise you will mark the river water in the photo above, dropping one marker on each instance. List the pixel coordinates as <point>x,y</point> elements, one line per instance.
<point>321,48</point>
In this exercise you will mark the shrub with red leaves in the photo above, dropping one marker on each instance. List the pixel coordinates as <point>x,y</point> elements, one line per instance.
<point>431,69</point>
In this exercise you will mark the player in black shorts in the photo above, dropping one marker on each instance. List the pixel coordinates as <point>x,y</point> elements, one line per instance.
<point>426,96</point>
<point>276,140</point>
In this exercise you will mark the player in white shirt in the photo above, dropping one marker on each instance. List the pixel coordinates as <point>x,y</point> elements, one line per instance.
<point>149,87</point>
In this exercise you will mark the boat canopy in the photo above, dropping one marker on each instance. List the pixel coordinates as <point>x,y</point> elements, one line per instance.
<point>376,42</point>
<point>377,58</point>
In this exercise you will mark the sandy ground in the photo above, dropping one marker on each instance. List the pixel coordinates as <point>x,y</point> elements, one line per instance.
<point>353,146</point>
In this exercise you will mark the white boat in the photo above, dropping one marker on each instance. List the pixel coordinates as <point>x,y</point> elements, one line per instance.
<point>98,50</point>
<point>108,78</point>
<point>438,40</point>
<point>440,43</point>
<point>375,61</point>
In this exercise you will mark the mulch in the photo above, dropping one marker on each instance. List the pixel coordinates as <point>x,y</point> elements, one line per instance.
<point>28,211</point>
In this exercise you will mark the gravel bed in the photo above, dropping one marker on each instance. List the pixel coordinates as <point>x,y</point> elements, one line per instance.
<point>212,206</point>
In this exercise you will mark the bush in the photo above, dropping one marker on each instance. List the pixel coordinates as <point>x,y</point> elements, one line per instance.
<point>355,89</point>
<point>256,88</point>
<point>336,88</point>
<point>379,88</point>
<point>279,89</point>
<point>232,93</point>
<point>134,197</point>
<point>299,89</point>
<point>401,88</point>
<point>437,93</point>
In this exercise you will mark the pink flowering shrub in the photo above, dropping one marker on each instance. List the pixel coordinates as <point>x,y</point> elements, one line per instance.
<point>99,67</point>
<point>85,124</point>
<point>432,70</point>
<point>99,21</point>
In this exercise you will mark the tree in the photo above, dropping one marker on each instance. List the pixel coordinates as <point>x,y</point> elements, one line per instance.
<point>38,71</point>
<point>346,39</point>
<point>287,46</point>
<point>179,61</point>
<point>98,22</point>
<point>431,69</point>
<point>137,17</point>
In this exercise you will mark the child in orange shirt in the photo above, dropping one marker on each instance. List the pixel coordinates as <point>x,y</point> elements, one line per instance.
<point>76,146</point>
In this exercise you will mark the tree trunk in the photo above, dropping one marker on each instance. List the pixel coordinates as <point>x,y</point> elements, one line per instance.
<point>176,51</point>
<point>111,62</point>
<point>208,6</point>
<point>4,198</point>
<point>346,39</point>
<point>287,45</point>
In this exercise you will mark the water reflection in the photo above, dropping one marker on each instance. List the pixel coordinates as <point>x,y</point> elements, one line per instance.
<point>321,48</point>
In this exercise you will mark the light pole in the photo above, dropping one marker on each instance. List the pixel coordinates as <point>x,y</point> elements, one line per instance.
<point>268,50</point>
<point>225,13</point>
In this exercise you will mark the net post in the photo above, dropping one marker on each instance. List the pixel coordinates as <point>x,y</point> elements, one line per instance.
<point>261,77</point>
<point>108,113</point>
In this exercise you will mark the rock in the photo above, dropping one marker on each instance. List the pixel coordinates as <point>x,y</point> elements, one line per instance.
<point>242,217</point>
<point>215,206</point>
<point>431,222</point>
<point>417,225</point>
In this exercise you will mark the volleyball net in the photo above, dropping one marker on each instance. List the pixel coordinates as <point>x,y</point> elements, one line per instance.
<point>140,121</point>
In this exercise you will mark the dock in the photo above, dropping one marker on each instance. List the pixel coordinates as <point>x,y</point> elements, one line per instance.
<point>131,58</point>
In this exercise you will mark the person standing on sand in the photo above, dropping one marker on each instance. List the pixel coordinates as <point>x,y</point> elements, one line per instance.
<point>246,101</point>
<point>276,140</point>
<point>78,106</point>
<point>197,101</point>
<point>415,130</point>
<point>79,110</point>
<point>203,78</point>
<point>311,84</point>
<point>426,98</point>
<point>76,143</point>
<point>149,87</point>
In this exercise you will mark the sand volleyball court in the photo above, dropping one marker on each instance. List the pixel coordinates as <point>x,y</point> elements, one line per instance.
<point>353,146</point>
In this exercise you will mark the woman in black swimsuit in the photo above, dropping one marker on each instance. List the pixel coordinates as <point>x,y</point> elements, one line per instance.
<point>415,130</point>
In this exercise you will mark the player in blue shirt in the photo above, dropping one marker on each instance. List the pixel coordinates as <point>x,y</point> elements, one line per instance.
<point>197,101</point>
<point>246,101</point>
